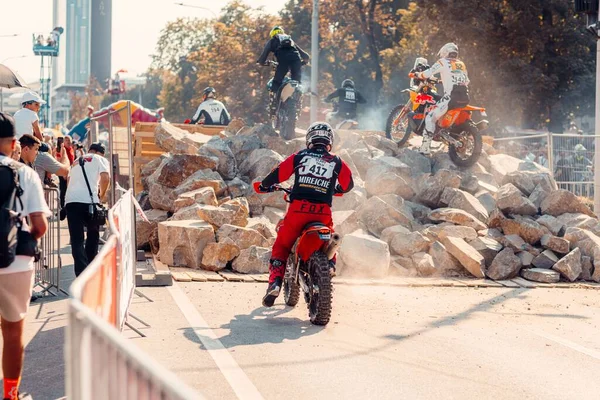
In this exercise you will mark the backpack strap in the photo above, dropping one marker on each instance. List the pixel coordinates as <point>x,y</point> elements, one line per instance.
<point>81,164</point>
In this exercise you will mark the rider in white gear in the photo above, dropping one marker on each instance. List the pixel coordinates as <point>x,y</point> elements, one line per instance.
<point>455,80</point>
<point>211,110</point>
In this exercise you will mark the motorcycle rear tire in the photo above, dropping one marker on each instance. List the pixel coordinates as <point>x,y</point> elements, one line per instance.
<point>288,125</point>
<point>319,306</point>
<point>472,130</point>
<point>291,288</point>
<point>390,122</point>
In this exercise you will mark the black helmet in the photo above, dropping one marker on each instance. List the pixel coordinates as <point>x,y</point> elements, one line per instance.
<point>319,133</point>
<point>348,83</point>
<point>209,90</point>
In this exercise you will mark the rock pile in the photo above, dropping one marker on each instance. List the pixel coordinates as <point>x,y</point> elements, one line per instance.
<point>408,215</point>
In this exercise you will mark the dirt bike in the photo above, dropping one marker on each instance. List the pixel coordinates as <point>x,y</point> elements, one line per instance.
<point>340,120</point>
<point>307,268</point>
<point>288,105</point>
<point>404,119</point>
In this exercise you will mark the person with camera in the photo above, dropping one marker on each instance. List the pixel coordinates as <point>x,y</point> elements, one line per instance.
<point>87,186</point>
<point>23,220</point>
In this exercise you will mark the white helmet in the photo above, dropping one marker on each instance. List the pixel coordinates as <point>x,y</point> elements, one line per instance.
<point>420,61</point>
<point>32,96</point>
<point>319,133</point>
<point>448,49</point>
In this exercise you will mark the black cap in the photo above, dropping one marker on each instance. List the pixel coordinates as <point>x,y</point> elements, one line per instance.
<point>97,147</point>
<point>7,126</point>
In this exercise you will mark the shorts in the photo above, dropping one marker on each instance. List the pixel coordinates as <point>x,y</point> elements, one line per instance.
<point>15,295</point>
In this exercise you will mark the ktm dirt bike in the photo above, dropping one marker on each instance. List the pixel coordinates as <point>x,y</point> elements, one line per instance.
<point>307,270</point>
<point>404,119</point>
<point>288,103</point>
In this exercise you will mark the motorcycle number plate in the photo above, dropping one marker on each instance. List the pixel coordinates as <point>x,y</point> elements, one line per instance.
<point>325,236</point>
<point>483,114</point>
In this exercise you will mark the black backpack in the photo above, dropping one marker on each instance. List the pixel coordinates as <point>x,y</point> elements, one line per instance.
<point>285,41</point>
<point>10,220</point>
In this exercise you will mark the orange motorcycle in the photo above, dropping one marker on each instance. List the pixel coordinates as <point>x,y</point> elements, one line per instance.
<point>404,119</point>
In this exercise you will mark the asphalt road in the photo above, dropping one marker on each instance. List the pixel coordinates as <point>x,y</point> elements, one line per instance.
<point>382,343</point>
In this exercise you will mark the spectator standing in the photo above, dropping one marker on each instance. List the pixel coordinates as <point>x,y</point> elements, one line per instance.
<point>16,154</point>
<point>79,204</point>
<point>16,280</point>
<point>67,147</point>
<point>27,121</point>
<point>30,147</point>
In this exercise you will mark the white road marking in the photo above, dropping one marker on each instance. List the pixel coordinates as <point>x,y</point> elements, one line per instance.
<point>237,378</point>
<point>567,343</point>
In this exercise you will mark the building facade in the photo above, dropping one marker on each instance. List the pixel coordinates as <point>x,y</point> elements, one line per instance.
<point>86,49</point>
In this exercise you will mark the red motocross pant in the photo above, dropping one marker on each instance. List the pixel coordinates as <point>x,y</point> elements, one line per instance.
<point>299,214</point>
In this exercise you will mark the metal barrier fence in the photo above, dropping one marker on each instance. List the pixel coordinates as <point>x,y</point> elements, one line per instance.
<point>569,157</point>
<point>573,163</point>
<point>530,148</point>
<point>47,269</point>
<point>100,363</point>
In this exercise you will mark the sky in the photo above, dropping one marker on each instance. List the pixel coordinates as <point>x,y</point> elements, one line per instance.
<point>133,40</point>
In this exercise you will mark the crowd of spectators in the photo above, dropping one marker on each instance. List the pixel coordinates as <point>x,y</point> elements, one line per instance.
<point>30,162</point>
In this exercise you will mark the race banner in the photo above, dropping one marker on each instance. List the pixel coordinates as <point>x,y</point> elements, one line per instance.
<point>121,220</point>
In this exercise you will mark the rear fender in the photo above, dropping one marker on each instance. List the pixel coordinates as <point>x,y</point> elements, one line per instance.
<point>288,90</point>
<point>312,239</point>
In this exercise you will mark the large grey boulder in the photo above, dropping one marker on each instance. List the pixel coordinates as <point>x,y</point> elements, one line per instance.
<point>182,243</point>
<point>179,167</point>
<point>510,200</point>
<point>377,215</point>
<point>506,265</point>
<point>466,255</point>
<point>540,275</point>
<point>456,198</point>
<point>363,255</point>
<point>570,265</point>
<point>259,163</point>
<point>218,149</point>
<point>407,244</point>
<point>253,260</point>
<point>456,216</point>
<point>430,189</point>
<point>528,229</point>
<point>562,201</point>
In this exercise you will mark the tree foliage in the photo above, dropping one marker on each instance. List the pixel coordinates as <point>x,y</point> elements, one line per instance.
<point>529,62</point>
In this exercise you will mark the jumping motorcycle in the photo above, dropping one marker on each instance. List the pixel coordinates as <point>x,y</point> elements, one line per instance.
<point>404,119</point>
<point>288,105</point>
<point>340,120</point>
<point>307,268</point>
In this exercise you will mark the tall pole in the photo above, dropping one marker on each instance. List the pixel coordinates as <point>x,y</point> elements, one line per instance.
<point>314,72</point>
<point>597,130</point>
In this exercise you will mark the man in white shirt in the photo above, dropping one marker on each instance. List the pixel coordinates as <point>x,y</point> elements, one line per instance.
<point>79,204</point>
<point>211,111</point>
<point>27,121</point>
<point>16,280</point>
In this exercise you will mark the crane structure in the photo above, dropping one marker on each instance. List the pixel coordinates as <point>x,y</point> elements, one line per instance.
<point>46,47</point>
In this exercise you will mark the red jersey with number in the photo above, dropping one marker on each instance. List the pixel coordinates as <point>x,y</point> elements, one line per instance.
<point>317,174</point>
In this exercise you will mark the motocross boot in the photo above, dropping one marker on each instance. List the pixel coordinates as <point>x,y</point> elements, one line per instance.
<point>426,146</point>
<point>275,283</point>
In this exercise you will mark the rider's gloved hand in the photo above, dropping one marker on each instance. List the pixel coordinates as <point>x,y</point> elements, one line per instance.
<point>259,188</point>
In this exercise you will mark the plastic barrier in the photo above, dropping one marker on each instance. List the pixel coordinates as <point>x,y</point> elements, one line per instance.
<point>100,363</point>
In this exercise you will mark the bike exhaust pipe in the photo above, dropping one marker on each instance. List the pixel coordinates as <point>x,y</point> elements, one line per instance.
<point>333,245</point>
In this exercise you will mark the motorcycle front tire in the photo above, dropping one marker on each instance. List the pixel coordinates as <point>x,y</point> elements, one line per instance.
<point>291,288</point>
<point>389,125</point>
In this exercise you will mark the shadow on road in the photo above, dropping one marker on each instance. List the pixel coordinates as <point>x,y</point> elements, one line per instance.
<point>261,326</point>
<point>43,372</point>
